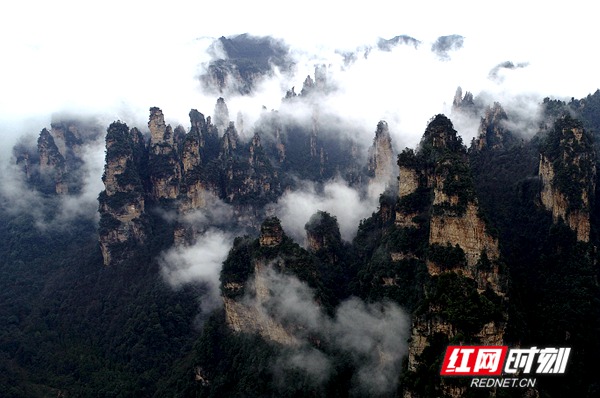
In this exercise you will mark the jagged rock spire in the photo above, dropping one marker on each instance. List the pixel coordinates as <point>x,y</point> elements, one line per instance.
<point>441,165</point>
<point>493,133</point>
<point>568,173</point>
<point>464,104</point>
<point>52,162</point>
<point>461,101</point>
<point>122,202</point>
<point>164,166</point>
<point>158,129</point>
<point>381,155</point>
<point>437,198</point>
<point>198,123</point>
<point>230,141</point>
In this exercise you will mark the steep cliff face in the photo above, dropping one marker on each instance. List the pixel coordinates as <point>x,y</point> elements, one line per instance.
<point>455,219</point>
<point>258,275</point>
<point>122,203</point>
<point>168,167</point>
<point>323,238</point>
<point>436,196</point>
<point>69,136</point>
<point>52,163</point>
<point>163,162</point>
<point>250,316</point>
<point>567,170</point>
<point>246,290</point>
<point>441,167</point>
<point>198,147</point>
<point>262,178</point>
<point>467,231</point>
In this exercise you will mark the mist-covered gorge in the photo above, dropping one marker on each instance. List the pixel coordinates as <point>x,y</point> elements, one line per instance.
<point>291,256</point>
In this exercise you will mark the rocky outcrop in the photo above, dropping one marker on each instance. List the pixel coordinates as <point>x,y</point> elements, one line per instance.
<point>190,171</point>
<point>185,172</point>
<point>69,136</point>
<point>122,203</point>
<point>229,142</point>
<point>493,133</point>
<point>409,181</point>
<point>250,319</point>
<point>163,162</point>
<point>53,166</point>
<point>436,195</point>
<point>308,86</point>
<point>271,233</point>
<point>261,178</point>
<point>556,202</point>
<point>567,170</point>
<point>160,134</point>
<point>437,181</point>
<point>465,104</point>
<point>250,283</point>
<point>279,145</point>
<point>250,316</point>
<point>421,330</point>
<point>381,156</point>
<point>196,186</point>
<point>323,237</point>
<point>468,231</point>
<point>461,101</point>
<point>247,171</point>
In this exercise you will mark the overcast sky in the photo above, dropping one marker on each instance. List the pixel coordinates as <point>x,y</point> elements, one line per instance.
<point>121,57</point>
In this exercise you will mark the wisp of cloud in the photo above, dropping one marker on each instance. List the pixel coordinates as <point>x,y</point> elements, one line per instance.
<point>374,335</point>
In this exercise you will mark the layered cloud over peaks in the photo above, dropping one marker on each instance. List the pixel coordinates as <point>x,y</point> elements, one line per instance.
<point>400,67</point>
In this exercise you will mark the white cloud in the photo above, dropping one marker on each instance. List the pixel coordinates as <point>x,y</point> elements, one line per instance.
<point>92,56</point>
<point>373,334</point>
<point>85,203</point>
<point>55,212</point>
<point>198,263</point>
<point>295,208</point>
<point>116,59</point>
